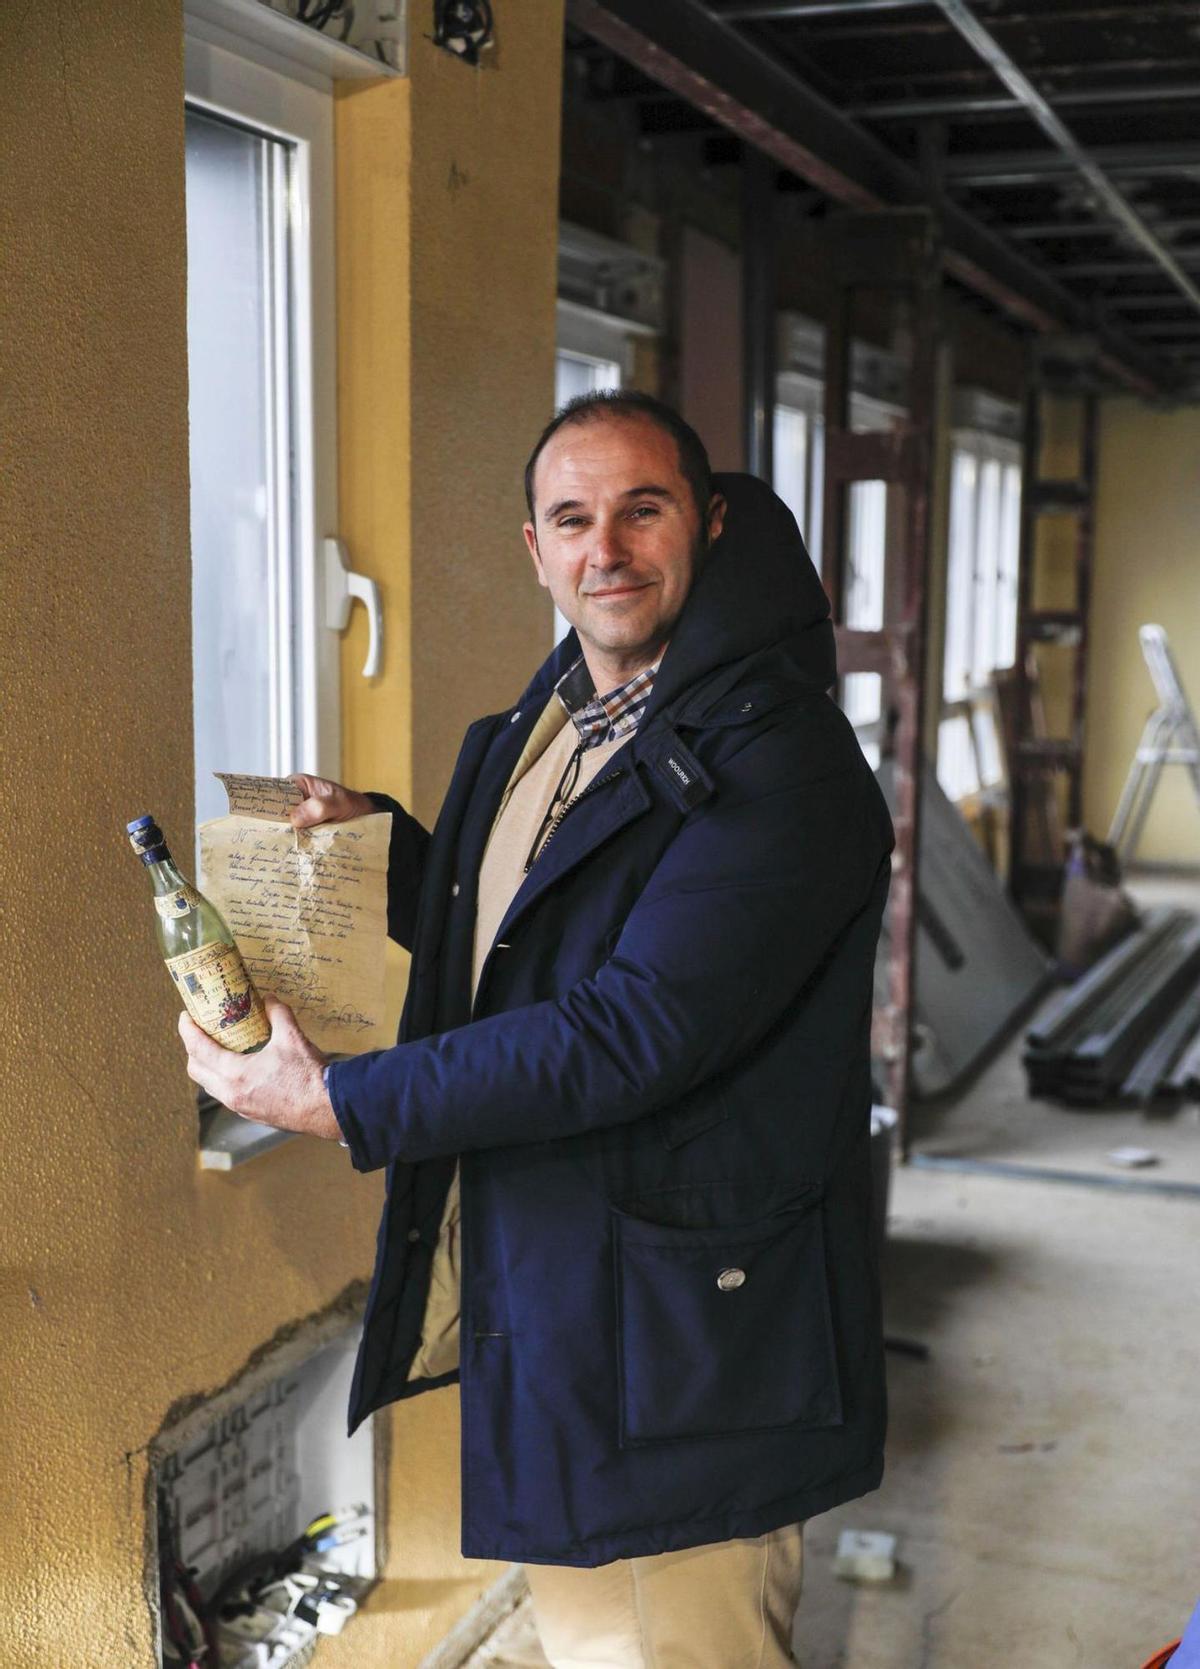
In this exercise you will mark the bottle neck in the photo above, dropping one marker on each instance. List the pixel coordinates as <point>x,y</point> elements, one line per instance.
<point>164,872</point>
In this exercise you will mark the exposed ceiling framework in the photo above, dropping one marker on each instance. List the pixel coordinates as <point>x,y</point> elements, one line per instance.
<point>1069,134</point>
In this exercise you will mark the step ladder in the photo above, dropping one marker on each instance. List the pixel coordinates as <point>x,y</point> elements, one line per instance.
<point>1171,737</point>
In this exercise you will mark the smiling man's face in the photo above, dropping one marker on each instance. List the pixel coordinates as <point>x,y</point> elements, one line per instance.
<point>616,537</point>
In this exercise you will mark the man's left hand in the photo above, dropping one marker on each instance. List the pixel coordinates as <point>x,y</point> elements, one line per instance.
<point>282,1084</point>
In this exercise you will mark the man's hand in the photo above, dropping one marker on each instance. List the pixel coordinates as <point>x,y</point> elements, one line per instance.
<point>281,1085</point>
<point>327,802</point>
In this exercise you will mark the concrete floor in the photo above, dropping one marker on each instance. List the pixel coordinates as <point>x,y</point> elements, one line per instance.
<point>1043,1464</point>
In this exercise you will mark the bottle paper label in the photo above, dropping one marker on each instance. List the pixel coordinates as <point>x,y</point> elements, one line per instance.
<point>217,993</point>
<point>171,905</point>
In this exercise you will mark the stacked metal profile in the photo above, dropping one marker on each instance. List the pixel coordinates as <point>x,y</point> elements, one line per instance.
<point>1129,1030</point>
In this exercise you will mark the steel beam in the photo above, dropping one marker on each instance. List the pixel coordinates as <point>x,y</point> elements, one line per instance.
<point>1030,167</point>
<point>710,64</point>
<point>987,104</point>
<point>745,11</point>
<point>1054,229</point>
<point>1121,269</point>
<point>1144,304</point>
<point>1084,162</point>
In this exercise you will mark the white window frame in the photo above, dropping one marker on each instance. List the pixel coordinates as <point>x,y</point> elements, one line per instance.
<point>862,692</point>
<point>970,702</point>
<point>804,395</point>
<point>285,103</point>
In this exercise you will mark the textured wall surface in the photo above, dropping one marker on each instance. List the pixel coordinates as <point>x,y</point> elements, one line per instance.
<point>484,227</point>
<point>1147,569</point>
<point>130,1281</point>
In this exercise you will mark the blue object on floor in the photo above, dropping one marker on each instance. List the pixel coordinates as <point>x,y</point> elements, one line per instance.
<point>1187,1654</point>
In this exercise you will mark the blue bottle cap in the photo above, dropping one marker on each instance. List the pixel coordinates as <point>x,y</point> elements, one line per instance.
<point>138,823</point>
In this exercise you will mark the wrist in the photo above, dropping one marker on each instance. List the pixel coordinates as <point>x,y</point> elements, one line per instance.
<point>329,1097</point>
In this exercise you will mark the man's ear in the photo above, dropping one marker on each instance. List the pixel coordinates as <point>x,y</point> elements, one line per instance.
<point>715,520</point>
<point>530,533</point>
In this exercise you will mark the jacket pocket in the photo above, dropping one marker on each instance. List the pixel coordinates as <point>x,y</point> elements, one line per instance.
<point>724,1330</point>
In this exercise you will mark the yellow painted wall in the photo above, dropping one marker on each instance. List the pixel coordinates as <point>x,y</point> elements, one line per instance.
<point>1147,569</point>
<point>131,1282</point>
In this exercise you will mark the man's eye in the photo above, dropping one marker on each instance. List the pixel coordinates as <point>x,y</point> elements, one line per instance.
<point>571,521</point>
<point>644,510</point>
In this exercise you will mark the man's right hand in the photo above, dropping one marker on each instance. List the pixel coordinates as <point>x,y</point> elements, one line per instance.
<point>327,802</point>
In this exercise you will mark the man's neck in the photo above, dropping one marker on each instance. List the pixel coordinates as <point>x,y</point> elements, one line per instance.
<point>610,672</point>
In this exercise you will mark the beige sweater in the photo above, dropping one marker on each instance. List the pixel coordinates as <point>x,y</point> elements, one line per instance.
<point>526,800</point>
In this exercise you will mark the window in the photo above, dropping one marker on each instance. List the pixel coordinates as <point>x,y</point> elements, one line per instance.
<point>259,177</point>
<point>799,453</point>
<point>799,480</point>
<point>981,607</point>
<point>576,374</point>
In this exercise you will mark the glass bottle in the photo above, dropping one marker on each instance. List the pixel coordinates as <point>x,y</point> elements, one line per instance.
<point>200,952</point>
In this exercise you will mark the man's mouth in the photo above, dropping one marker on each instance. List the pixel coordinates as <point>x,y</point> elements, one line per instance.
<point>617,591</point>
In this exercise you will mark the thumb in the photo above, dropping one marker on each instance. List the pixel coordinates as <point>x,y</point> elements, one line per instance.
<point>310,811</point>
<point>278,1012</point>
<point>313,808</point>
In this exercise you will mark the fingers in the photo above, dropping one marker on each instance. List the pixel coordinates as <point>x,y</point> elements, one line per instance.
<point>309,812</point>
<point>323,802</point>
<point>326,802</point>
<point>206,1059</point>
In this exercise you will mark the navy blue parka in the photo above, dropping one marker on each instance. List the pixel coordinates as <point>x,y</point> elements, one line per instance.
<point>658,1102</point>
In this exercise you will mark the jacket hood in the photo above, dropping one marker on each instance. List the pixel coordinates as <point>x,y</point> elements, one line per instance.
<point>755,589</point>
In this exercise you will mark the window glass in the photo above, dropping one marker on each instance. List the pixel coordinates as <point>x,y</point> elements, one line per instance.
<point>241,492</point>
<point>576,373</point>
<point>981,608</point>
<point>791,460</point>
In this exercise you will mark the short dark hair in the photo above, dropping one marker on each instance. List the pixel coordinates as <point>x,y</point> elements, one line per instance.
<point>631,402</point>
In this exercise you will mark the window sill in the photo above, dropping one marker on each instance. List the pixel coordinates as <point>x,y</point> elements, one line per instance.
<point>227,1140</point>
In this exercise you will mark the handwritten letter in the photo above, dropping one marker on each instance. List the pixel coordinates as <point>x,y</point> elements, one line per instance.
<point>269,797</point>
<point>308,909</point>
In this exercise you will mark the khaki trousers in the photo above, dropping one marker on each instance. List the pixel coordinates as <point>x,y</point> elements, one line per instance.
<point>727,1605</point>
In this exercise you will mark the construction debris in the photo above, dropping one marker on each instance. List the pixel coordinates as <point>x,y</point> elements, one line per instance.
<point>1131,1158</point>
<point>978,970</point>
<point>1129,1030</point>
<point>865,1556</point>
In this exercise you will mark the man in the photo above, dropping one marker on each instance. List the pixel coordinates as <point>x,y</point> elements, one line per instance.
<point>633,1073</point>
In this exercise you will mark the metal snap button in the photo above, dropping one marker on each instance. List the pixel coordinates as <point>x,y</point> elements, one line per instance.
<point>747,706</point>
<point>414,1234</point>
<point>514,718</point>
<point>730,1279</point>
<point>454,890</point>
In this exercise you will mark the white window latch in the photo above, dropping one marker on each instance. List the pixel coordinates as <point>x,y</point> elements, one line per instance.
<point>342,586</point>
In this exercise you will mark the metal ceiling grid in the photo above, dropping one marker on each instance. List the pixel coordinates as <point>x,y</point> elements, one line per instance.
<point>1069,128</point>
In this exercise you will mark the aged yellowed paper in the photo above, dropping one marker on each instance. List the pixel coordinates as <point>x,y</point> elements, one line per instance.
<point>308,909</point>
<point>270,797</point>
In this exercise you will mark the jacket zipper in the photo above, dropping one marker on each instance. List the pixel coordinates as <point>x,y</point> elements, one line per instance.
<point>565,808</point>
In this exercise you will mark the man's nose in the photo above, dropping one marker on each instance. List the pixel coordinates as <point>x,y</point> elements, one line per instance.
<point>608,548</point>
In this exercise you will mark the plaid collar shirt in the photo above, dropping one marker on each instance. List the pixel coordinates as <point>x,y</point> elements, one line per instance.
<point>604,718</point>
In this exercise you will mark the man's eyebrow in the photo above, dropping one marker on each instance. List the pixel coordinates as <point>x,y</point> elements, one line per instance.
<point>649,489</point>
<point>552,510</point>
